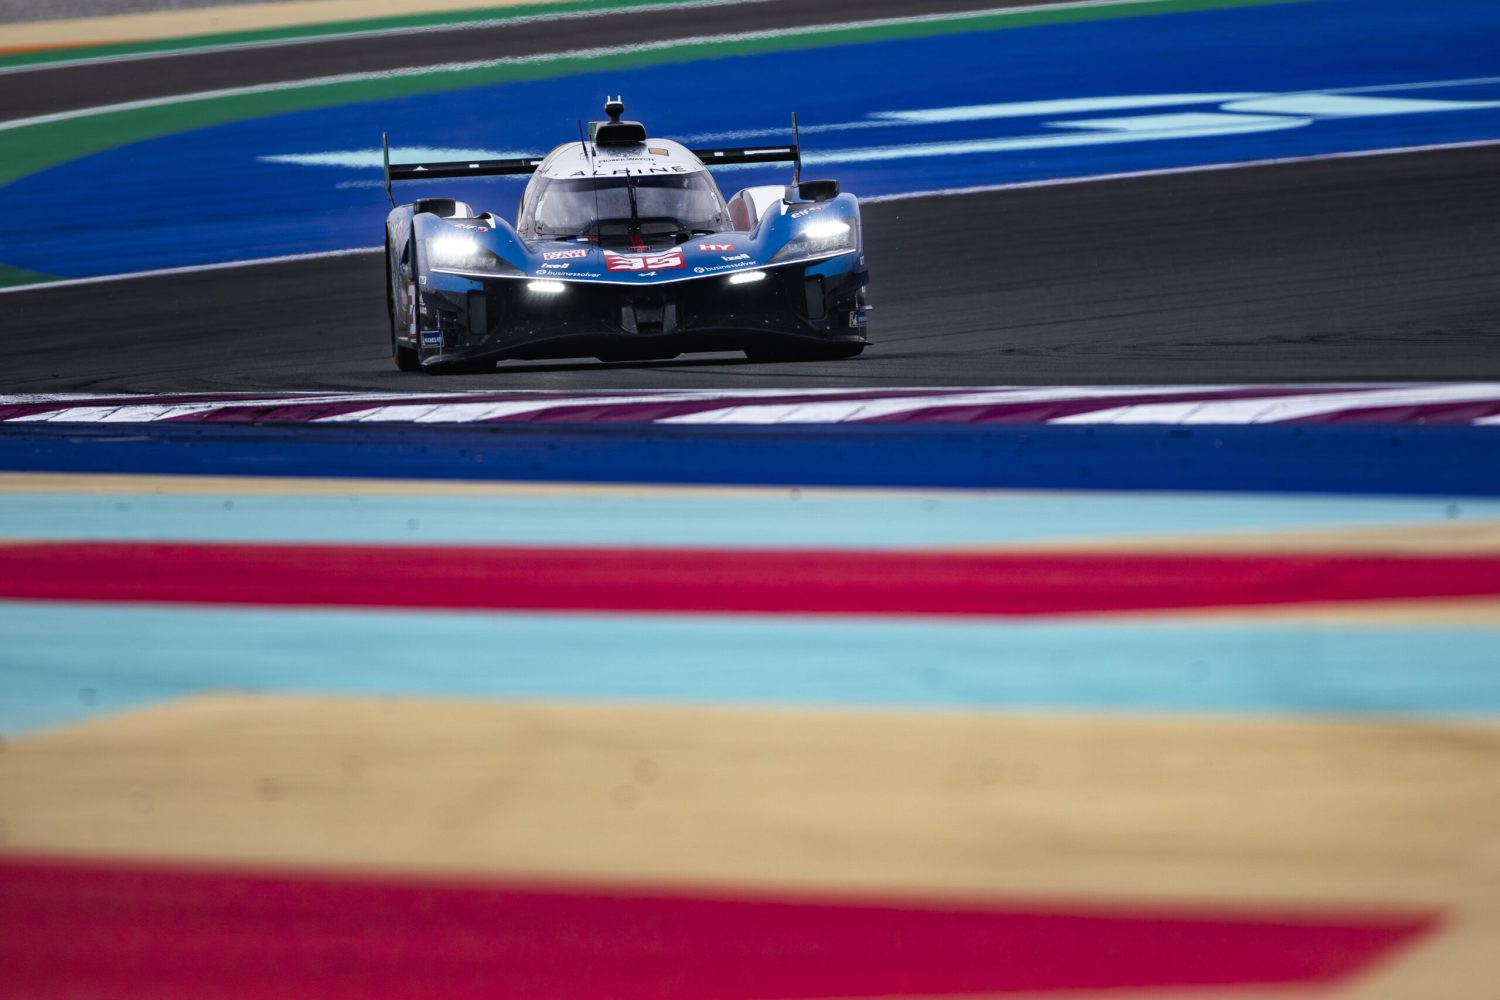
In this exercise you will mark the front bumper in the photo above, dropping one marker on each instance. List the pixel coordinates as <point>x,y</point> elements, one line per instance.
<point>497,318</point>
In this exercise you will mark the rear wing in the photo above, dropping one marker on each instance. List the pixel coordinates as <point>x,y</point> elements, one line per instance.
<point>440,170</point>
<point>759,154</point>
<point>444,170</point>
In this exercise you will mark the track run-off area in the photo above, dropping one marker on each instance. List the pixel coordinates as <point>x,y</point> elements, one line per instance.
<point>1123,622</point>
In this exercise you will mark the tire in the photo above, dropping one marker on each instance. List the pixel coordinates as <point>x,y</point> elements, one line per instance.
<point>405,358</point>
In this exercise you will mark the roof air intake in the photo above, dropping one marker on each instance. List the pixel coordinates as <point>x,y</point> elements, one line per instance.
<point>615,132</point>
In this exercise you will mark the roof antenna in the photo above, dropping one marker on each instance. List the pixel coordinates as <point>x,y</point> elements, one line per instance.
<point>593,169</point>
<point>796,152</point>
<point>583,142</point>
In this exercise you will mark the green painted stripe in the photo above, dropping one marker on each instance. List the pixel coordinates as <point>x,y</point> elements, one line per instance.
<point>11,277</point>
<point>474,15</point>
<point>28,149</point>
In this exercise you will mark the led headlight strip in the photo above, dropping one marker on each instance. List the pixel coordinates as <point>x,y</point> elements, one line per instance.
<point>819,238</point>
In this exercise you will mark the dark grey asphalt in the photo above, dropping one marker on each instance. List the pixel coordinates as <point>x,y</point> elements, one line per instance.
<point>1381,268</point>
<point>42,90</point>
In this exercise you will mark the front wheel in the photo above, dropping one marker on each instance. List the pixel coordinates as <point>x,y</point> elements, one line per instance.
<point>405,358</point>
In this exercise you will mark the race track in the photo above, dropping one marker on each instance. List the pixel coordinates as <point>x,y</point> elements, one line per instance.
<point>1363,268</point>
<point>1266,274</point>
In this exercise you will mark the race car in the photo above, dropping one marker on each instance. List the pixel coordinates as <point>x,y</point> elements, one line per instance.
<point>624,249</point>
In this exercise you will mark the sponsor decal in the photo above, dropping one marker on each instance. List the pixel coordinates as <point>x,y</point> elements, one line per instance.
<point>556,267</point>
<point>564,254</point>
<point>663,261</point>
<point>711,268</point>
<point>717,247</point>
<point>738,256</point>
<point>432,338</point>
<point>657,151</point>
<point>465,225</point>
<point>808,211</point>
<point>646,167</point>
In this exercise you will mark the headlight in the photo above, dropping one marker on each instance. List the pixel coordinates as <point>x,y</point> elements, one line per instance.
<point>464,253</point>
<point>816,239</point>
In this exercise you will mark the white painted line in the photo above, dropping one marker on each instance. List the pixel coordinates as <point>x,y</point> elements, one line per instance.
<point>186,50</point>
<point>1172,171</point>
<point>568,55</point>
<point>844,411</point>
<point>902,196</point>
<point>140,410</point>
<point>464,413</point>
<point>1278,409</point>
<point>559,16</point>
<point>192,269</point>
<point>1119,130</point>
<point>1065,106</point>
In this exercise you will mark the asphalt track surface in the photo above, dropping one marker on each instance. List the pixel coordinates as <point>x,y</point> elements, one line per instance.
<point>1369,268</point>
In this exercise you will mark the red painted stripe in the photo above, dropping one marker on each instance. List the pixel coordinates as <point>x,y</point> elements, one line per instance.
<point>811,582</point>
<point>131,931</point>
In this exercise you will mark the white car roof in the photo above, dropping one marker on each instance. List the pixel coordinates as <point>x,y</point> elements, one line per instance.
<point>654,156</point>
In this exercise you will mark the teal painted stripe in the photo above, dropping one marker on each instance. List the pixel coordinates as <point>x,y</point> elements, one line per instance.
<point>65,662</point>
<point>788,519</point>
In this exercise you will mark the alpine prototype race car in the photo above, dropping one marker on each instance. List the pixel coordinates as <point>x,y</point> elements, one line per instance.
<point>624,248</point>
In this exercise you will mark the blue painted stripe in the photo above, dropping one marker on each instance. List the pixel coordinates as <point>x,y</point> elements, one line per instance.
<point>60,662</point>
<point>777,519</point>
<point>1436,461</point>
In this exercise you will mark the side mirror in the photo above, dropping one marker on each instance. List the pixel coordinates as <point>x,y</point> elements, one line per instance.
<point>812,191</point>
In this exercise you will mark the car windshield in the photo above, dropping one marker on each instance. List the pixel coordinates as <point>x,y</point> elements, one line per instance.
<point>568,207</point>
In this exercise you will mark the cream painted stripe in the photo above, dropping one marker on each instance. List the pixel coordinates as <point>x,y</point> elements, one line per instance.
<point>165,24</point>
<point>1478,612</point>
<point>1041,804</point>
<point>1458,537</point>
<point>90,483</point>
<point>1258,411</point>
